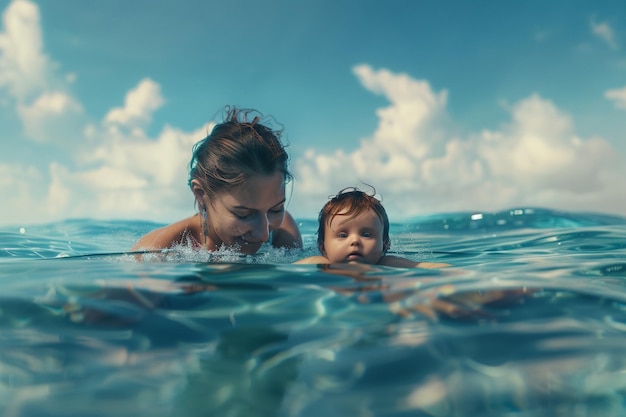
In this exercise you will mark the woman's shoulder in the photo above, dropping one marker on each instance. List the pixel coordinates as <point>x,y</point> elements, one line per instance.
<point>167,236</point>
<point>287,235</point>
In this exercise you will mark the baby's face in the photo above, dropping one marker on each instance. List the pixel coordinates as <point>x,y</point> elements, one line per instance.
<point>354,239</point>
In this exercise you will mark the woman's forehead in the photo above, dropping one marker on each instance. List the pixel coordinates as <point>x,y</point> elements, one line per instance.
<point>258,192</point>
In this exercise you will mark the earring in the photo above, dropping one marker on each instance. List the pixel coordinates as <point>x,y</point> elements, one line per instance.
<point>205,225</point>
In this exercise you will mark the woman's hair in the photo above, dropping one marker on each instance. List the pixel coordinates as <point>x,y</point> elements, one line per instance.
<point>351,202</point>
<point>236,149</point>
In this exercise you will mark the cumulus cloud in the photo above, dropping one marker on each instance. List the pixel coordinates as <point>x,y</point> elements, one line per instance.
<point>121,175</point>
<point>605,32</point>
<point>617,96</point>
<point>419,166</point>
<point>139,105</point>
<point>539,150</point>
<point>52,115</point>
<point>116,169</point>
<point>24,68</point>
<point>414,160</point>
<point>29,76</point>
<point>409,132</point>
<point>124,172</point>
<point>415,113</point>
<point>133,178</point>
<point>137,176</point>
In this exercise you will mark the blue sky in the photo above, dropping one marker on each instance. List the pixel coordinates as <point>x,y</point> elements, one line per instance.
<point>442,106</point>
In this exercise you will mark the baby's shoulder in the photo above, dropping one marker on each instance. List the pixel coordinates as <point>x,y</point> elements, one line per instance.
<point>313,260</point>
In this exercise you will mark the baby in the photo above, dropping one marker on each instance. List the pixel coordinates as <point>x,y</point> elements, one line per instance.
<point>354,228</point>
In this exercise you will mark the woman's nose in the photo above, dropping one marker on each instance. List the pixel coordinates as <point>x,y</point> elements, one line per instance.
<point>261,230</point>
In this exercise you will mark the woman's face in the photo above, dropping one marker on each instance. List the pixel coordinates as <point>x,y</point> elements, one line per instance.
<point>243,217</point>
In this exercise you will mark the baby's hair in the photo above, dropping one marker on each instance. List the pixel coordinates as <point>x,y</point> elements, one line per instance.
<point>351,201</point>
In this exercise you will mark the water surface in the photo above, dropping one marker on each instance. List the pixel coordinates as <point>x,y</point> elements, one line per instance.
<point>529,320</point>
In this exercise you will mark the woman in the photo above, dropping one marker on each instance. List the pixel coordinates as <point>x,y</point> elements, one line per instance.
<point>237,175</point>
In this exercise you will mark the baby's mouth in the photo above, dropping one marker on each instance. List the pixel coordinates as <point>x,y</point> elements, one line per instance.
<point>354,256</point>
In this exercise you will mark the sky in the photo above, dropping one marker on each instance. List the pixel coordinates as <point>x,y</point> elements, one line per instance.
<point>448,106</point>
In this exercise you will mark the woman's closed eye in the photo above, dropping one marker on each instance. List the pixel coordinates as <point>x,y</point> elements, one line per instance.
<point>242,216</point>
<point>246,216</point>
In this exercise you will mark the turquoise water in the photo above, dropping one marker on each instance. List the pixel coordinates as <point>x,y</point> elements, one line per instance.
<point>530,320</point>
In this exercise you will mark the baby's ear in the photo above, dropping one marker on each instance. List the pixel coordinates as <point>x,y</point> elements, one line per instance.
<point>386,245</point>
<point>320,246</point>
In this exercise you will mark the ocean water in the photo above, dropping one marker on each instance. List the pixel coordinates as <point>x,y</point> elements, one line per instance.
<point>529,320</point>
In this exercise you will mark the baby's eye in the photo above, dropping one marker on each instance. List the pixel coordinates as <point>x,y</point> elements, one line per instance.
<point>342,235</point>
<point>367,234</point>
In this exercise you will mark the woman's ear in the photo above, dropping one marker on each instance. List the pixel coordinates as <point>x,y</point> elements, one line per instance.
<point>199,193</point>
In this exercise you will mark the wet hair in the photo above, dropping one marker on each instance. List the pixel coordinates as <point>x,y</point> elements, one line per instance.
<point>236,149</point>
<point>351,202</point>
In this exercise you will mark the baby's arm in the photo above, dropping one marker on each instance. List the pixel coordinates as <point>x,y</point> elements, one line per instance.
<point>398,262</point>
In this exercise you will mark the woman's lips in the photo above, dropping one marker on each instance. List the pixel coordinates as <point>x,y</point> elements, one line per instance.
<point>247,246</point>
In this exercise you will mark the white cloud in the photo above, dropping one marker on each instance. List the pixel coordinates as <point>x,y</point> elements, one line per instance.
<point>617,96</point>
<point>118,170</point>
<point>139,104</point>
<point>28,75</point>
<point>24,68</point>
<point>409,132</point>
<point>412,158</point>
<point>605,32</point>
<point>52,115</point>
<point>124,173</point>
<point>122,177</point>
<point>539,150</point>
<point>419,167</point>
